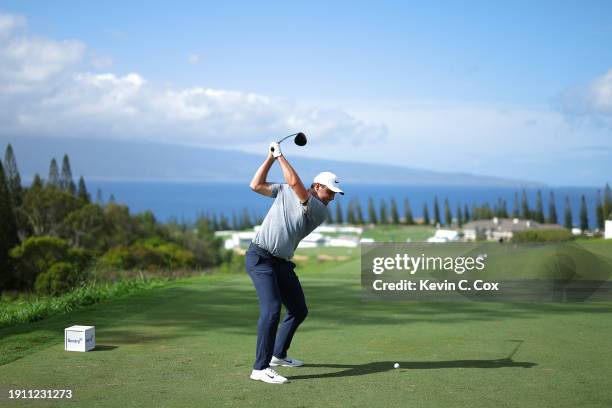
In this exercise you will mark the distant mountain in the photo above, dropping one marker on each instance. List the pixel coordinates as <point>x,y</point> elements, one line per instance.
<point>117,160</point>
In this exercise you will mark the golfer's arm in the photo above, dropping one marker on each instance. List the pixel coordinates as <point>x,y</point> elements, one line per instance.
<point>293,179</point>
<point>259,183</point>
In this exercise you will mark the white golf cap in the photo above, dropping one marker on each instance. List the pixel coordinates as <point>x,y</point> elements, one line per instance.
<point>329,180</point>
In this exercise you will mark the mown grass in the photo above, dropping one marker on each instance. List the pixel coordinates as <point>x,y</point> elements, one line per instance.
<point>399,233</point>
<point>191,343</point>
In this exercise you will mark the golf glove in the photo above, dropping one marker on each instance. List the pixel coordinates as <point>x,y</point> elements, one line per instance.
<point>275,149</point>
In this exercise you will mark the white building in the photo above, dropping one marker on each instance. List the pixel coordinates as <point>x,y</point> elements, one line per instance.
<point>345,241</point>
<point>444,235</point>
<point>239,239</point>
<point>350,238</point>
<point>500,229</point>
<point>313,240</point>
<point>608,231</point>
<point>339,228</point>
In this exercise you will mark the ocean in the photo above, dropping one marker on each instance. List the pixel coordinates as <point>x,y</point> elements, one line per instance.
<point>184,201</point>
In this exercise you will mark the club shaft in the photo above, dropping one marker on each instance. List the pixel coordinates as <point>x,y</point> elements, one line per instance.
<point>286,137</point>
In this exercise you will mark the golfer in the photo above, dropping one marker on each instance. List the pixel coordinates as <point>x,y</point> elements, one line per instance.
<point>295,213</point>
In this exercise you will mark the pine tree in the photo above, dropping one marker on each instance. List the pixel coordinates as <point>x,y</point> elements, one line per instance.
<point>567,214</point>
<point>339,215</point>
<point>448,215</point>
<point>436,211</point>
<point>235,224</point>
<point>223,223</point>
<point>599,212</point>
<point>525,212</point>
<point>552,210</point>
<point>112,199</point>
<point>394,212</point>
<point>515,207</point>
<point>66,178</point>
<point>498,209</point>
<point>426,219</point>
<point>99,198</point>
<point>384,217</point>
<point>466,214</point>
<point>53,180</point>
<point>72,188</point>
<point>8,231</point>
<point>504,209</point>
<point>408,217</point>
<point>459,216</point>
<point>37,183</point>
<point>607,204</point>
<point>372,212</point>
<point>13,179</point>
<point>584,217</point>
<point>359,213</point>
<point>539,211</point>
<point>246,219</point>
<point>350,213</point>
<point>82,193</point>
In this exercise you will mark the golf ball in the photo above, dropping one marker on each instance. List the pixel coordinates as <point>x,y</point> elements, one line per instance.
<point>396,365</point>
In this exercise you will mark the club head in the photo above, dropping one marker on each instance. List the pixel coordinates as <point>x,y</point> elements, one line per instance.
<point>300,139</point>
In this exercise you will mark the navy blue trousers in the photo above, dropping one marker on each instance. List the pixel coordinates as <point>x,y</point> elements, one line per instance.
<point>276,283</point>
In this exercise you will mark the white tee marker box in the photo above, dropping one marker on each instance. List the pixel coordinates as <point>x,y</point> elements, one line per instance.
<point>79,338</point>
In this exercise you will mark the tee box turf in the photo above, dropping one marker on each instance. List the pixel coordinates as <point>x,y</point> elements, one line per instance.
<point>79,338</point>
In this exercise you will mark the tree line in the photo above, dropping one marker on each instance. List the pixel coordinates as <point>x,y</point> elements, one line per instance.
<point>54,237</point>
<point>390,213</point>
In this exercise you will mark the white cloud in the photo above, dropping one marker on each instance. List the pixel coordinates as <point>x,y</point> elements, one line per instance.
<point>43,92</point>
<point>591,102</point>
<point>9,23</point>
<point>601,93</point>
<point>27,61</point>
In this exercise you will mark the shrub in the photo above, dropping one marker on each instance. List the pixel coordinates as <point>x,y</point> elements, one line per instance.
<point>543,235</point>
<point>60,278</point>
<point>232,262</point>
<point>87,227</point>
<point>150,254</point>
<point>36,255</point>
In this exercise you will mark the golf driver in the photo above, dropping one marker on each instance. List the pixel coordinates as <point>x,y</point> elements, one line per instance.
<point>300,139</point>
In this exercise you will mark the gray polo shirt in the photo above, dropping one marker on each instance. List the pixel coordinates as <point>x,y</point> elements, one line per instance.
<point>288,221</point>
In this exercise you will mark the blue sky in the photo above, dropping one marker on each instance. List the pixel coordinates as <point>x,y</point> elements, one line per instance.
<point>520,90</point>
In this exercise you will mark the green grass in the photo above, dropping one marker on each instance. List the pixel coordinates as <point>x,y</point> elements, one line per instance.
<point>191,343</point>
<point>399,233</point>
<point>331,251</point>
<point>602,247</point>
<point>34,308</point>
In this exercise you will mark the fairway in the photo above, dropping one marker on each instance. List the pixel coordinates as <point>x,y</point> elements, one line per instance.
<point>191,343</point>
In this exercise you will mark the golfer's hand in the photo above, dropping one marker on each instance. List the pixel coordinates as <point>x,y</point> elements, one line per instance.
<point>275,150</point>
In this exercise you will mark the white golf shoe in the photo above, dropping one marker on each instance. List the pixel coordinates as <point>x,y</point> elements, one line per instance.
<point>268,375</point>
<point>285,362</point>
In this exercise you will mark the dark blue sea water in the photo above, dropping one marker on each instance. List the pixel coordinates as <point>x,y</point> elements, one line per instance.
<point>183,201</point>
